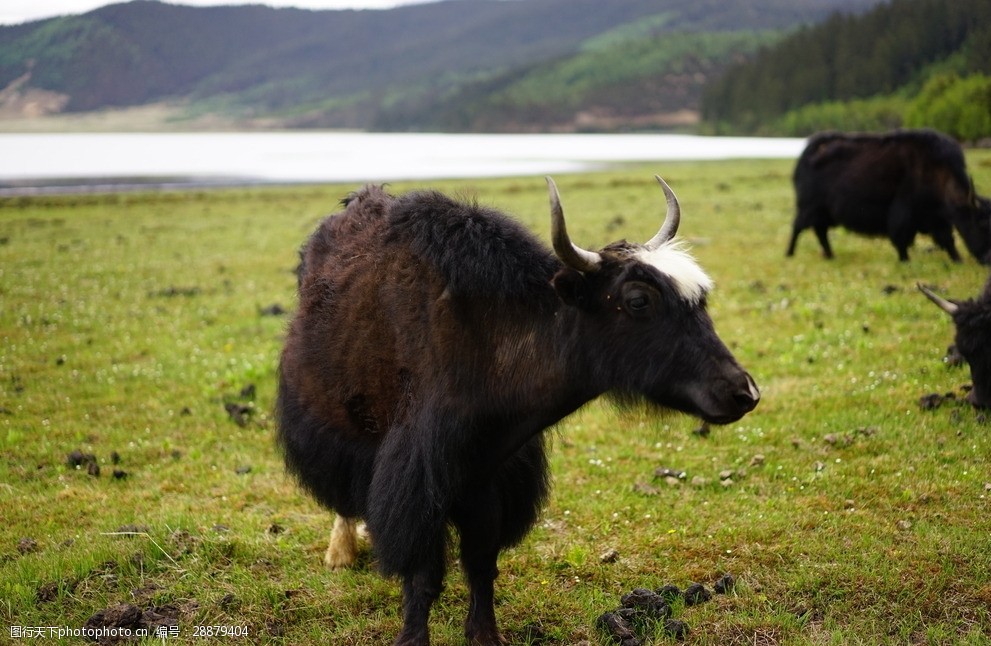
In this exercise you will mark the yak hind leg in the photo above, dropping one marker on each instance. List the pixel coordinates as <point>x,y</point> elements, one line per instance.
<point>342,550</point>
<point>810,215</point>
<point>902,227</point>
<point>822,233</point>
<point>796,230</point>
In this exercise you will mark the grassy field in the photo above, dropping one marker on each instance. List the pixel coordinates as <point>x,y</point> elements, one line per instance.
<point>143,329</point>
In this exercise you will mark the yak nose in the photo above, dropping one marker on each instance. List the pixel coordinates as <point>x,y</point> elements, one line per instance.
<point>748,396</point>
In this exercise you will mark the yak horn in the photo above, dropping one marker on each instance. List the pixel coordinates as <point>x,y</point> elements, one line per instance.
<point>945,305</point>
<point>570,254</point>
<point>671,220</point>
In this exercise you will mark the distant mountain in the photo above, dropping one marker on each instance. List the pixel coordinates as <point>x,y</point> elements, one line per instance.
<point>456,64</point>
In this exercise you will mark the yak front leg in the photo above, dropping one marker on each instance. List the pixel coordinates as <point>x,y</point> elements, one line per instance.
<point>479,524</point>
<point>407,519</point>
<point>494,516</point>
<point>420,590</point>
<point>481,571</point>
<point>942,235</point>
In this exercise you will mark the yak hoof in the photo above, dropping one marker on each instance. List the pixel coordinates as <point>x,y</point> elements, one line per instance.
<point>487,639</point>
<point>337,559</point>
<point>486,635</point>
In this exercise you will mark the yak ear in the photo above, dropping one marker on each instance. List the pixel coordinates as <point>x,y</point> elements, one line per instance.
<point>571,287</point>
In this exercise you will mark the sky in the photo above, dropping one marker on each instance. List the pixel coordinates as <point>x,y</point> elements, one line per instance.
<point>18,11</point>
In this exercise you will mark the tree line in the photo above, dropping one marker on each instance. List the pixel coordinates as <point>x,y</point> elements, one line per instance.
<point>904,63</point>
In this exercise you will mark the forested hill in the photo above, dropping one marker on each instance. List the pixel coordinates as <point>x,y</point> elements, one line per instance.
<point>455,64</point>
<point>903,63</point>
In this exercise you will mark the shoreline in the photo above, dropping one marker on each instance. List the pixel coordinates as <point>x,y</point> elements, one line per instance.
<point>39,187</point>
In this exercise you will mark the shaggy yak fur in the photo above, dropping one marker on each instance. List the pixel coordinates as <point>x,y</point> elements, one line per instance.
<point>435,341</point>
<point>972,320</point>
<point>895,185</point>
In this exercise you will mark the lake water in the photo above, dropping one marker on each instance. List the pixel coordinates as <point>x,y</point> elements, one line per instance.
<point>106,160</point>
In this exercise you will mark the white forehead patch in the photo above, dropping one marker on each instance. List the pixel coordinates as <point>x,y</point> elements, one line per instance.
<point>673,260</point>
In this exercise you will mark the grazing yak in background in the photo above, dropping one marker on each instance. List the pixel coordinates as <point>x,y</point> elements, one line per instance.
<point>895,185</point>
<point>436,340</point>
<point>972,319</point>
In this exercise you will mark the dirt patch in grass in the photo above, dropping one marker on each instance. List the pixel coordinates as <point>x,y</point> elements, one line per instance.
<point>156,621</point>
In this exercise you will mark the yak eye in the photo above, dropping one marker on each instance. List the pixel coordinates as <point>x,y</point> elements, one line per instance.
<point>638,298</point>
<point>637,302</point>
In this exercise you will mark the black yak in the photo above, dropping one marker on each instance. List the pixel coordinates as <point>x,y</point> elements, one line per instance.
<point>895,185</point>
<point>972,319</point>
<point>436,340</point>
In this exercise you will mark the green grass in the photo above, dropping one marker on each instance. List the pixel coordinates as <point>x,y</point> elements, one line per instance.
<point>128,321</point>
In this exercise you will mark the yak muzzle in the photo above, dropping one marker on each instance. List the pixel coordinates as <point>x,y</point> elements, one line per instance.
<point>732,397</point>
<point>747,398</point>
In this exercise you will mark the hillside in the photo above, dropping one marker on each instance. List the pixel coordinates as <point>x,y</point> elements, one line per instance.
<point>903,63</point>
<point>456,64</point>
<point>648,82</point>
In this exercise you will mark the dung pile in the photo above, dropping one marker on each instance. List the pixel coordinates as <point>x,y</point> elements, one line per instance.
<point>642,610</point>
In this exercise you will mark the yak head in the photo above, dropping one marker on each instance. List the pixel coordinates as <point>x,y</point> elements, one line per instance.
<point>973,222</point>
<point>972,319</point>
<point>642,324</point>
